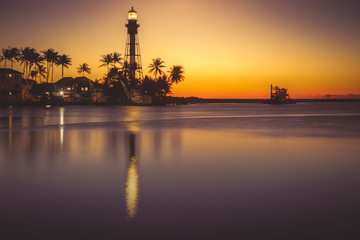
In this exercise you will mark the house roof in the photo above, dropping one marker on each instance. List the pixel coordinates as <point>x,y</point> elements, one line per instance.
<point>63,81</point>
<point>8,70</point>
<point>82,80</point>
<point>70,80</point>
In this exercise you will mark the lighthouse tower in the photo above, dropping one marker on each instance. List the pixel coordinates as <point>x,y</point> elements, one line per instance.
<point>132,57</point>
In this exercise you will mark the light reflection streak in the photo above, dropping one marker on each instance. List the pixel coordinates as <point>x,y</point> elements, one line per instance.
<point>132,188</point>
<point>62,111</point>
<point>131,119</point>
<point>62,122</point>
<point>132,178</point>
<point>62,136</point>
<point>10,127</point>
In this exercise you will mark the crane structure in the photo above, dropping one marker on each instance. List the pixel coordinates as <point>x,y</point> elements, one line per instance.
<point>279,96</point>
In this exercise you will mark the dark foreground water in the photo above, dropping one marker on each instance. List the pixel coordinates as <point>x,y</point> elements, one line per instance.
<point>205,171</point>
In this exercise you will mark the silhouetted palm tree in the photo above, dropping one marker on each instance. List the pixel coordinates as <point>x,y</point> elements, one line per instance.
<point>163,86</point>
<point>159,87</point>
<point>106,60</point>
<point>176,74</point>
<point>33,74</point>
<point>65,61</point>
<point>1,58</point>
<point>35,59</point>
<point>156,66</point>
<point>14,55</point>
<point>6,55</point>
<point>116,58</point>
<point>126,69</point>
<point>113,73</point>
<point>26,58</point>
<point>23,58</point>
<point>41,71</point>
<point>50,56</point>
<point>84,68</point>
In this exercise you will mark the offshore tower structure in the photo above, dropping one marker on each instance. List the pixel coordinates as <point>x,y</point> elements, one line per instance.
<point>132,56</point>
<point>279,96</point>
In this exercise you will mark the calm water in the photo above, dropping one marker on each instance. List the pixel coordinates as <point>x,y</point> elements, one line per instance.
<point>201,171</point>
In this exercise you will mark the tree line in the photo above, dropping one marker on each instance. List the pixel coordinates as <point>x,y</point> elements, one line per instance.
<point>39,65</point>
<point>36,64</point>
<point>156,83</point>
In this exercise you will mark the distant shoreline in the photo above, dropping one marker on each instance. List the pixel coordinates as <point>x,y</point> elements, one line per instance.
<point>182,101</point>
<point>225,100</point>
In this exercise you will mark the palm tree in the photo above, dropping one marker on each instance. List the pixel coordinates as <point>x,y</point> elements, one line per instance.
<point>23,58</point>
<point>163,86</point>
<point>27,57</point>
<point>156,66</point>
<point>36,60</point>
<point>106,60</point>
<point>116,58</point>
<point>50,56</point>
<point>33,74</point>
<point>6,54</point>
<point>1,58</point>
<point>41,71</point>
<point>176,74</point>
<point>13,54</point>
<point>65,61</point>
<point>47,56</point>
<point>84,68</point>
<point>126,69</point>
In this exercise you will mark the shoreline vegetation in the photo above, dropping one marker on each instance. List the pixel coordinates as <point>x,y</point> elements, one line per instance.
<point>174,101</point>
<point>119,85</point>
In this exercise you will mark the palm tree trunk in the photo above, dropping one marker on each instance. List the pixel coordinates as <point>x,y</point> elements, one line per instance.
<point>62,71</point>
<point>36,74</point>
<point>47,71</point>
<point>5,62</point>
<point>29,71</point>
<point>24,71</point>
<point>52,73</point>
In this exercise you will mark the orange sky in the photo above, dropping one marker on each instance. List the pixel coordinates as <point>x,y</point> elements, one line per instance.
<point>230,49</point>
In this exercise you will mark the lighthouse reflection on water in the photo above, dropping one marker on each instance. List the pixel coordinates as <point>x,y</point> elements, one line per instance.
<point>132,176</point>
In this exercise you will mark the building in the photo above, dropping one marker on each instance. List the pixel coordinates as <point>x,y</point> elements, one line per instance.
<point>99,95</point>
<point>279,96</point>
<point>138,98</point>
<point>80,89</point>
<point>132,58</point>
<point>10,85</point>
<point>132,55</point>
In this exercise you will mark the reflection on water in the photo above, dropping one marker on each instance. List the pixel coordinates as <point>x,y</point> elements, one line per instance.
<point>73,170</point>
<point>10,128</point>
<point>132,177</point>
<point>132,181</point>
<point>61,124</point>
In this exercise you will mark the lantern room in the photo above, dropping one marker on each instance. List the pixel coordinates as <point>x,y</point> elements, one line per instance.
<point>132,14</point>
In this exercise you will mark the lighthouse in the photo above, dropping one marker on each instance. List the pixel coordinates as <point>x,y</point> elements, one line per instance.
<point>132,57</point>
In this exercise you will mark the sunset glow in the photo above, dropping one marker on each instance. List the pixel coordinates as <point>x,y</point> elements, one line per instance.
<point>229,49</point>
